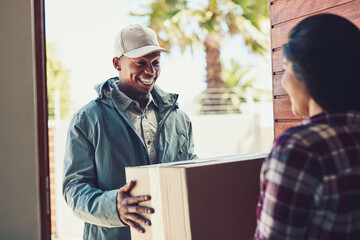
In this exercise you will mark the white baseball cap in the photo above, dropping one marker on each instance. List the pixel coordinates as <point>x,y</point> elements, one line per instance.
<point>136,41</point>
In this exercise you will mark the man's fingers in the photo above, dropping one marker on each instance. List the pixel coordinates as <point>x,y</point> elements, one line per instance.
<point>129,210</point>
<point>135,221</point>
<point>134,225</point>
<point>139,209</point>
<point>136,199</point>
<point>138,219</point>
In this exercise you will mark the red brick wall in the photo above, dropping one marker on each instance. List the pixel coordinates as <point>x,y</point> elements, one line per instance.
<point>52,181</point>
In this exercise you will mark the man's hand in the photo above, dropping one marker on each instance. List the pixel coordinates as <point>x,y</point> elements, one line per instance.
<point>129,210</point>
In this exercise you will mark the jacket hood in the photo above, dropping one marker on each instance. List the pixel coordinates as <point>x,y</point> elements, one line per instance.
<point>104,86</point>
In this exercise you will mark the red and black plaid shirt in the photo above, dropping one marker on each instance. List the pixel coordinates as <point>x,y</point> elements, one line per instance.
<point>310,182</point>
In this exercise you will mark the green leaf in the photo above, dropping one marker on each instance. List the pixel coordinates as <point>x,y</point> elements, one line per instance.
<point>185,27</point>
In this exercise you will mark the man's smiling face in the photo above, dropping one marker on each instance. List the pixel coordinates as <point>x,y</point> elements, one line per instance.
<point>138,75</point>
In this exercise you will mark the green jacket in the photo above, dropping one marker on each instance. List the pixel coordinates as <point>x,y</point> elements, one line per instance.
<point>101,142</point>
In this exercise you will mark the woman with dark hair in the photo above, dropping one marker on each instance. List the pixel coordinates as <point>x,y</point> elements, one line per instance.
<point>310,182</point>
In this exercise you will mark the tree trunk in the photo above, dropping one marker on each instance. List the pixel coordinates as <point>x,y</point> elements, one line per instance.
<point>213,63</point>
<point>214,100</point>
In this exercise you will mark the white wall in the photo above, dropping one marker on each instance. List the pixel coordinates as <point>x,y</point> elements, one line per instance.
<point>19,201</point>
<point>231,134</point>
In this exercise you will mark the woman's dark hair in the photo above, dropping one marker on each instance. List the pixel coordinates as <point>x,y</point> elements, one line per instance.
<point>325,52</point>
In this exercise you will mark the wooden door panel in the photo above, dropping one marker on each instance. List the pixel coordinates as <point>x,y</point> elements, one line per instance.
<point>279,33</point>
<point>277,61</point>
<point>282,126</point>
<point>278,90</point>
<point>284,15</point>
<point>282,109</point>
<point>283,10</point>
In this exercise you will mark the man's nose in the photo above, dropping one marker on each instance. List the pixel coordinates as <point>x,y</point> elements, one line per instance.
<point>150,69</point>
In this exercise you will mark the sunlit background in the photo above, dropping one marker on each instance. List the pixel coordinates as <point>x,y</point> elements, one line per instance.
<point>80,37</point>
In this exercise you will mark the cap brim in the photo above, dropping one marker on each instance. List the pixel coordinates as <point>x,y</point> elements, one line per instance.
<point>139,52</point>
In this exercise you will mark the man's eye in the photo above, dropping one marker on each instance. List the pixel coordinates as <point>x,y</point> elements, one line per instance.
<point>156,63</point>
<point>140,63</point>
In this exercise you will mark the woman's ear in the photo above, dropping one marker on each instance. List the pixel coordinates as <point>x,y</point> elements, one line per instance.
<point>116,63</point>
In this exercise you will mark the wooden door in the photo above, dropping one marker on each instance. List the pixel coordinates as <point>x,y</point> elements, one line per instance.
<point>284,15</point>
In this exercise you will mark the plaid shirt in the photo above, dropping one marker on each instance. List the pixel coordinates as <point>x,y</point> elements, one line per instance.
<point>310,182</point>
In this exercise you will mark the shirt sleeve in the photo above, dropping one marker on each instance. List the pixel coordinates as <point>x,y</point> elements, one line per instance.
<point>289,179</point>
<point>88,202</point>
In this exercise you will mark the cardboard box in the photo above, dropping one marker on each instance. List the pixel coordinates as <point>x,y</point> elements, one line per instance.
<point>200,199</point>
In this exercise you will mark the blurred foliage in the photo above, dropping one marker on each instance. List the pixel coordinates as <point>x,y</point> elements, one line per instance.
<point>178,23</point>
<point>237,84</point>
<point>57,80</point>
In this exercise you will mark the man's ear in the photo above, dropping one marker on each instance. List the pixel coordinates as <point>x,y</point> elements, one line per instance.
<point>116,63</point>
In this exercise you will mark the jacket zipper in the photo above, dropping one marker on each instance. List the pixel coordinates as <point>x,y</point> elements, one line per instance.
<point>161,124</point>
<point>136,133</point>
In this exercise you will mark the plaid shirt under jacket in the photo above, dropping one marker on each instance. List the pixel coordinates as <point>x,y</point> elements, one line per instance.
<point>310,182</point>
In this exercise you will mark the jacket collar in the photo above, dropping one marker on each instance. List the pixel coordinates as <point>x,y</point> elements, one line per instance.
<point>123,101</point>
<point>163,99</point>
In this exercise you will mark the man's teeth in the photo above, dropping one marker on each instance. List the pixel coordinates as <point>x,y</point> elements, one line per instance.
<point>147,81</point>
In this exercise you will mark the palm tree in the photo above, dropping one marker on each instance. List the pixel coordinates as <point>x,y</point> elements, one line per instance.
<point>179,23</point>
<point>57,82</point>
<point>236,84</point>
